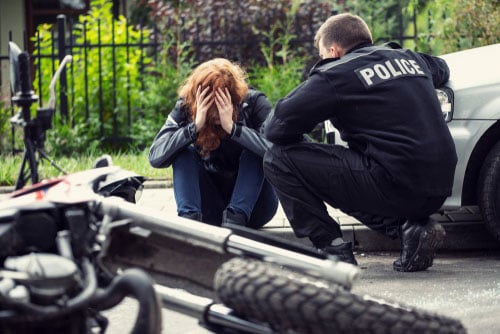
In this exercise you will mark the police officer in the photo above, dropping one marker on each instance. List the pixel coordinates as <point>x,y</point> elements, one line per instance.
<point>400,161</point>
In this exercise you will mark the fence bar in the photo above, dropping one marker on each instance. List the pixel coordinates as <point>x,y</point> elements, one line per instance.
<point>127,55</point>
<point>113,78</point>
<point>86,70</point>
<point>61,37</point>
<point>72,83</point>
<point>99,49</point>
<point>12,109</point>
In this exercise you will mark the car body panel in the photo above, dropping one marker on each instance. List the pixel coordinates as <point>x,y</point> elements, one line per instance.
<point>474,67</point>
<point>466,134</point>
<point>475,82</point>
<point>478,102</point>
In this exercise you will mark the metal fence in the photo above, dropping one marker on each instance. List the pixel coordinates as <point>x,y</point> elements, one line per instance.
<point>204,46</point>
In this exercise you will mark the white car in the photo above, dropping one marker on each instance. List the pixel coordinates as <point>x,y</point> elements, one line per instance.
<point>471,106</point>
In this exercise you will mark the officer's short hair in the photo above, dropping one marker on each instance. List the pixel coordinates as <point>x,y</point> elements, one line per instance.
<point>346,30</point>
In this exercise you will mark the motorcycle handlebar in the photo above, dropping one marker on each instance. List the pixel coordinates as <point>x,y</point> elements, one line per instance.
<point>205,309</point>
<point>135,283</point>
<point>24,74</point>
<point>52,99</point>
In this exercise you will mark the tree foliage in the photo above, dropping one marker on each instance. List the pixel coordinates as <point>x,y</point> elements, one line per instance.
<point>237,29</point>
<point>452,25</point>
<point>272,39</point>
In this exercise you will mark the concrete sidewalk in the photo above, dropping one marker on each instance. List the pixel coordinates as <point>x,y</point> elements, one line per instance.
<point>465,229</point>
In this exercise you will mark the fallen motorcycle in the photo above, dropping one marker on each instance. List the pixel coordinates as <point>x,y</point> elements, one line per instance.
<point>58,274</point>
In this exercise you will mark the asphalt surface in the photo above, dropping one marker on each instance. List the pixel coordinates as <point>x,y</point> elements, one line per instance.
<point>462,285</point>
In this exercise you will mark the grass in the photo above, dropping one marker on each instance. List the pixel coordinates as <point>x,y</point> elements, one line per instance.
<point>136,162</point>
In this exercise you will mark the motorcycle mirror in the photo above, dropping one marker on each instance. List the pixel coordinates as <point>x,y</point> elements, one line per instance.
<point>52,99</point>
<point>14,52</point>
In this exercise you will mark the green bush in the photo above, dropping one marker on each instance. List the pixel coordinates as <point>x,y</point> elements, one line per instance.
<point>245,23</point>
<point>147,81</point>
<point>453,25</point>
<point>163,79</point>
<point>278,80</point>
<point>111,106</point>
<point>5,128</point>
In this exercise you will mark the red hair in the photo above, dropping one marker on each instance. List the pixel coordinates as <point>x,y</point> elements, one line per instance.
<point>215,73</point>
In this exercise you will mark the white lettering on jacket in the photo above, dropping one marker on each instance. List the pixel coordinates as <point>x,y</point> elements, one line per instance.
<point>378,73</point>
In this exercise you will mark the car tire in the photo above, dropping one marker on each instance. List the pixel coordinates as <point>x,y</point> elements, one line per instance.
<point>489,191</point>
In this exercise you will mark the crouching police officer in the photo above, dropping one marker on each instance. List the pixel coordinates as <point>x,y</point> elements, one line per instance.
<point>400,161</point>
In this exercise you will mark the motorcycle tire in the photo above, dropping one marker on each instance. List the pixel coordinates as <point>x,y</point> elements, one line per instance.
<point>291,302</point>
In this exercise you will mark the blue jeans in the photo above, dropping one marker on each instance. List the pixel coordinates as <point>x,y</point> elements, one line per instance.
<point>197,190</point>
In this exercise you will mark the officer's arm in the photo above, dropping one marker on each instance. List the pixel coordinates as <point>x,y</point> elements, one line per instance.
<point>439,69</point>
<point>298,113</point>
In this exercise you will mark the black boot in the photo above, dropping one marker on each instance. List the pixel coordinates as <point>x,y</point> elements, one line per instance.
<point>343,252</point>
<point>192,215</point>
<point>233,219</point>
<point>419,243</point>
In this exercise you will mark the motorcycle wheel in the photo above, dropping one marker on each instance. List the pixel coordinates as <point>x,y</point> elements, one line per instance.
<point>291,302</point>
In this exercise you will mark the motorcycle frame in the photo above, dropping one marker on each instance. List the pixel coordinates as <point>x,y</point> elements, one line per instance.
<point>115,214</point>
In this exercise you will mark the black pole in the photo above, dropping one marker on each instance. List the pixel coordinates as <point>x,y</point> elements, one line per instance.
<point>24,99</point>
<point>63,97</point>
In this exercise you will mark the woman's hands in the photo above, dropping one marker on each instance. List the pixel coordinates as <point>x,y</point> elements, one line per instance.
<point>222,99</point>
<point>225,107</point>
<point>204,100</point>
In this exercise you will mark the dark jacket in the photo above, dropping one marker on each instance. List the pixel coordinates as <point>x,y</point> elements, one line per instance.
<point>383,102</point>
<point>178,132</point>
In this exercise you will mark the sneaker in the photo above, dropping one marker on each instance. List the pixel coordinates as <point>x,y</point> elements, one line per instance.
<point>343,252</point>
<point>419,244</point>
<point>232,219</point>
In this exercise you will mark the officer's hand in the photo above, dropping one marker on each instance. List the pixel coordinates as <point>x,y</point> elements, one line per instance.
<point>204,100</point>
<point>225,108</point>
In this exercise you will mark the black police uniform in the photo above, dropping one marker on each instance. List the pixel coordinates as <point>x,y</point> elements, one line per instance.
<point>401,158</point>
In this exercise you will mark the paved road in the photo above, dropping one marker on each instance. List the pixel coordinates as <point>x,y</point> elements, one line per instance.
<point>461,285</point>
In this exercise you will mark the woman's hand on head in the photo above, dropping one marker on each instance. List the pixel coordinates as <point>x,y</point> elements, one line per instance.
<point>204,100</point>
<point>225,108</point>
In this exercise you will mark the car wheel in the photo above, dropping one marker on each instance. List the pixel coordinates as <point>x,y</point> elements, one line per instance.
<point>489,191</point>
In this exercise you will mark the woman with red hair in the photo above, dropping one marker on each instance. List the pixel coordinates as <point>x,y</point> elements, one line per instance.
<point>212,138</point>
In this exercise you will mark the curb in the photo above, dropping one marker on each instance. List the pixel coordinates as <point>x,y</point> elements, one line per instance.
<point>459,236</point>
<point>158,184</point>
